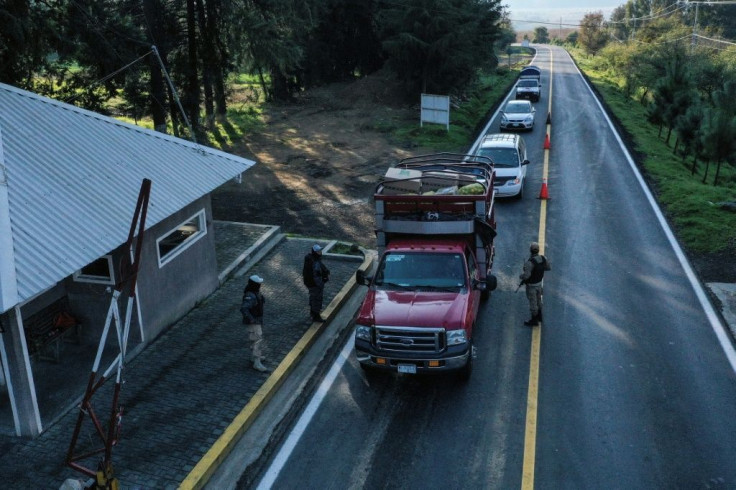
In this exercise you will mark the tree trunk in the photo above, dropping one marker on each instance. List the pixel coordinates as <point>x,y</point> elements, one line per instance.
<point>151,10</point>
<point>209,63</point>
<point>264,85</point>
<point>279,84</point>
<point>718,172</point>
<point>694,170</point>
<point>707,166</point>
<point>192,90</point>
<point>221,55</point>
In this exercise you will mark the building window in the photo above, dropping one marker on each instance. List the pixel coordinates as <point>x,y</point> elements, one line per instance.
<point>99,272</point>
<point>180,238</point>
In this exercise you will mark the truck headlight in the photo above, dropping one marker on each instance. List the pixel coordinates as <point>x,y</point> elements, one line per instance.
<point>363,332</point>
<point>456,337</point>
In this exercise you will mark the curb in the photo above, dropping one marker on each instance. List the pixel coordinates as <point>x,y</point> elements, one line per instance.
<point>253,254</point>
<point>208,464</point>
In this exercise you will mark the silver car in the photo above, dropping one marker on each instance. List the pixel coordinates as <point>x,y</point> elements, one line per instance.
<point>518,114</point>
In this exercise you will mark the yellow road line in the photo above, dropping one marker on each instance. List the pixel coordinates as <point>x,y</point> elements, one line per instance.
<point>530,432</point>
<point>206,467</point>
<point>530,436</point>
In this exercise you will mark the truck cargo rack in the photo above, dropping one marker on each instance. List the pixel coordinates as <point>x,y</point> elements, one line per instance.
<point>419,196</point>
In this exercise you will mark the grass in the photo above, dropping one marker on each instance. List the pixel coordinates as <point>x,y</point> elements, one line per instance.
<point>701,223</point>
<point>467,117</point>
<point>345,249</point>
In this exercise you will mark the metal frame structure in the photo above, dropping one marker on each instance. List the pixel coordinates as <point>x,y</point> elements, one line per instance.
<point>129,266</point>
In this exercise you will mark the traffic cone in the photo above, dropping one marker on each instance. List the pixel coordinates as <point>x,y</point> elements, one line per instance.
<point>543,194</point>
<point>546,142</point>
<point>549,118</point>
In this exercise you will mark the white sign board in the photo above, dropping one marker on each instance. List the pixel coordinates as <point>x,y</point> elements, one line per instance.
<point>435,109</point>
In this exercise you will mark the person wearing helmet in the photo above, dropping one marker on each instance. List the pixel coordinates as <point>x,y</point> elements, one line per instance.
<point>532,277</point>
<point>252,310</point>
<point>315,274</point>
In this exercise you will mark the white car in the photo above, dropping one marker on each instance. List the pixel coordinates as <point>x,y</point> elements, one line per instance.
<point>508,152</point>
<point>518,114</point>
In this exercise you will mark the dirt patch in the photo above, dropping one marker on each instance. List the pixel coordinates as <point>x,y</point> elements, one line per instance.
<point>320,158</point>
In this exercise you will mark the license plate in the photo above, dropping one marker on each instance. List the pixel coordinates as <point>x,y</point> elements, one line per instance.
<point>407,368</point>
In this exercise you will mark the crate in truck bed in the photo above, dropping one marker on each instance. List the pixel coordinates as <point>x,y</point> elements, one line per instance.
<point>427,195</point>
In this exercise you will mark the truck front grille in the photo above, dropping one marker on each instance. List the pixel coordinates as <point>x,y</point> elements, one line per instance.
<point>410,339</point>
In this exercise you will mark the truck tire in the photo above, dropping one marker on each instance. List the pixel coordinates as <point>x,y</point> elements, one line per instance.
<point>467,370</point>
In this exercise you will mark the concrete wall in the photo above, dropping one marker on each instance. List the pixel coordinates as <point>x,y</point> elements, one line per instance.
<point>167,293</point>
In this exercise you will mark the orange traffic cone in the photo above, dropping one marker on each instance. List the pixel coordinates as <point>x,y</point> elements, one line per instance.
<point>546,142</point>
<point>543,194</point>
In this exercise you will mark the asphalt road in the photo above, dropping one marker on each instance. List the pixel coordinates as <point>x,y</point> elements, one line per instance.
<point>635,388</point>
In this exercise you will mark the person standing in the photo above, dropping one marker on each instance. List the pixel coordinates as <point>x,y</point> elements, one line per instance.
<point>532,277</point>
<point>315,275</point>
<point>252,310</point>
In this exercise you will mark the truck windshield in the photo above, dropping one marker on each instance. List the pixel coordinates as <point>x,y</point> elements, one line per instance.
<point>431,271</point>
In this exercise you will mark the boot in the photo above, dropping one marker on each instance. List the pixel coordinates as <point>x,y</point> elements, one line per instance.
<point>533,321</point>
<point>539,316</point>
<point>258,366</point>
<point>316,317</point>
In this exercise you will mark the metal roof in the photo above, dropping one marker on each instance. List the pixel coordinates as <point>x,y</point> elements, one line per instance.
<point>69,181</point>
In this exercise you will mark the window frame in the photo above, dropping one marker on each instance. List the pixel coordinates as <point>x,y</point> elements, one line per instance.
<point>201,220</point>
<point>110,280</point>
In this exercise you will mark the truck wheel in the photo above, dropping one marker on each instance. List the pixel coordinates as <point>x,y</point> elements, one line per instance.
<point>467,370</point>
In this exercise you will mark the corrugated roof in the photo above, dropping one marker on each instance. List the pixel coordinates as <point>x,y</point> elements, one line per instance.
<point>73,178</point>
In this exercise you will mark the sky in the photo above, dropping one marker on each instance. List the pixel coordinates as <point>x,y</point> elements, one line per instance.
<point>528,14</point>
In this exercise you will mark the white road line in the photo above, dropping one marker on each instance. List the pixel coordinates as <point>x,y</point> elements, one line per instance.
<point>283,455</point>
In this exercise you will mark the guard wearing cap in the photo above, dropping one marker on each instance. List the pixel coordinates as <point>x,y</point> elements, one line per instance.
<point>315,275</point>
<point>252,310</point>
<point>532,277</point>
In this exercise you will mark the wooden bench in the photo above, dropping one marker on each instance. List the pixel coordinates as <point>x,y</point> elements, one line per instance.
<point>48,328</point>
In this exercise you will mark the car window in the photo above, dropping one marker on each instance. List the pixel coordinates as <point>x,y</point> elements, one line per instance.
<point>518,107</point>
<point>502,157</point>
<point>527,83</point>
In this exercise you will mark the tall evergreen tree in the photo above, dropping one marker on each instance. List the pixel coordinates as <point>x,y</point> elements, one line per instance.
<point>27,29</point>
<point>439,45</point>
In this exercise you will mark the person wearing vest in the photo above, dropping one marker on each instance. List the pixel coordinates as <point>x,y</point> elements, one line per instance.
<point>315,274</point>
<point>532,277</point>
<point>252,310</point>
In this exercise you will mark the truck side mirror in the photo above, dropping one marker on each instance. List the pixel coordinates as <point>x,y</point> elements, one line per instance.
<point>526,162</point>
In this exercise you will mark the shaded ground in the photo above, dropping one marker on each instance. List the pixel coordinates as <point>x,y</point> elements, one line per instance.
<point>320,158</point>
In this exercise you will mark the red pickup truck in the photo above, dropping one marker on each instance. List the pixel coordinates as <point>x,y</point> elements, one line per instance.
<point>435,227</point>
